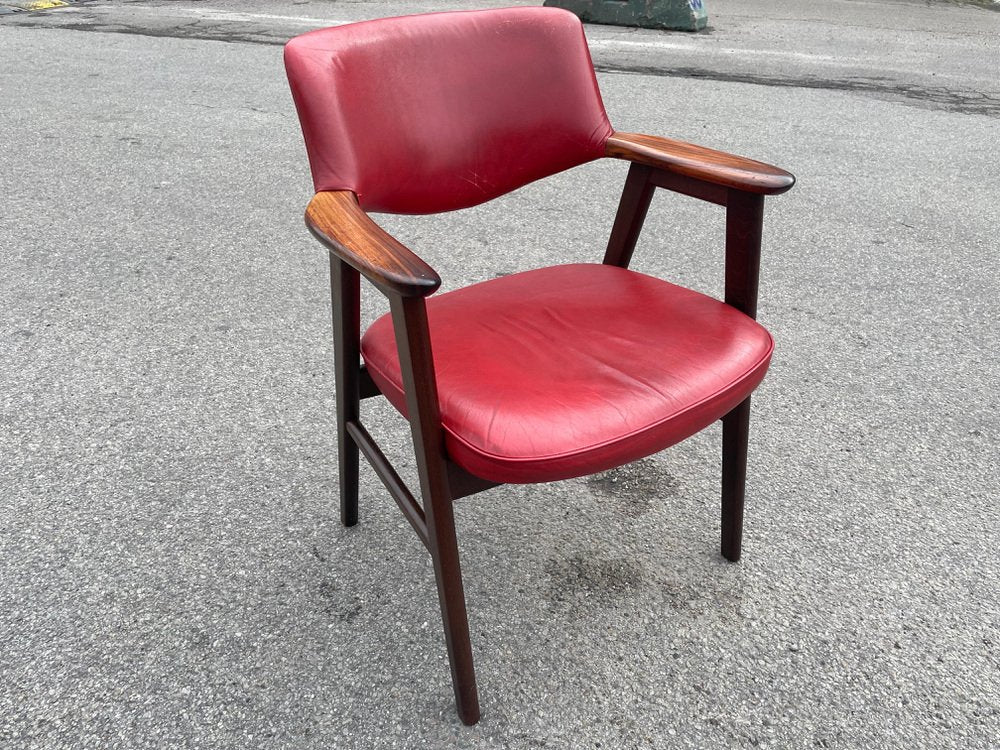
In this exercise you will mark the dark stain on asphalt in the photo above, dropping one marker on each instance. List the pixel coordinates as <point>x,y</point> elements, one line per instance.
<point>635,488</point>
<point>198,639</point>
<point>578,580</point>
<point>343,608</point>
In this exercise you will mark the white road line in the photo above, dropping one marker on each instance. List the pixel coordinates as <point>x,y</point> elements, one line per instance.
<point>688,47</point>
<point>232,15</point>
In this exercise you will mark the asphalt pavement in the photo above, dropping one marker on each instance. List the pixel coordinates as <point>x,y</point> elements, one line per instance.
<point>173,573</point>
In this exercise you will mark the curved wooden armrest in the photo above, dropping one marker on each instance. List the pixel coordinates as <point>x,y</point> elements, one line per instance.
<point>336,220</point>
<point>700,163</point>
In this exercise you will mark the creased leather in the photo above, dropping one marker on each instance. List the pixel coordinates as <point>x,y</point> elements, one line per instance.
<point>440,111</point>
<point>564,371</point>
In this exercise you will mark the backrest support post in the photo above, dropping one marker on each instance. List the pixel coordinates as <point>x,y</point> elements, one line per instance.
<point>744,225</point>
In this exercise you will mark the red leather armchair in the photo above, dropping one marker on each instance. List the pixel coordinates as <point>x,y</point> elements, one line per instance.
<point>548,374</point>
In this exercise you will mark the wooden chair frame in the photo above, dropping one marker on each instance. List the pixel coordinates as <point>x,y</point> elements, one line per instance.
<point>358,247</point>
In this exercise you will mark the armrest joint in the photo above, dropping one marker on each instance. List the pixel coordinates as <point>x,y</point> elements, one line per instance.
<point>685,160</point>
<point>335,219</point>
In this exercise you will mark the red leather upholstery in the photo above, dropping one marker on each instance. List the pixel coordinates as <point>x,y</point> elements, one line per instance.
<point>568,370</point>
<point>446,110</point>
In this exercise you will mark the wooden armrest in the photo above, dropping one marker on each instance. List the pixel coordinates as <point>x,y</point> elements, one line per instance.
<point>336,220</point>
<point>700,163</point>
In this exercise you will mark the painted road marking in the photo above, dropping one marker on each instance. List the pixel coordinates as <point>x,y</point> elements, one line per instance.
<point>233,15</point>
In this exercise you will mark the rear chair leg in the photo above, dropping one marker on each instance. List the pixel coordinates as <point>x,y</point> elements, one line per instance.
<point>345,292</point>
<point>735,434</point>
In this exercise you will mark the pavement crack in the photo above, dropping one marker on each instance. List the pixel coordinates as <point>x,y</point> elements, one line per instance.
<point>928,97</point>
<point>962,102</point>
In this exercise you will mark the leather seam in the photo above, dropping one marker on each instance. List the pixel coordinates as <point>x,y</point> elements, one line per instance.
<point>553,457</point>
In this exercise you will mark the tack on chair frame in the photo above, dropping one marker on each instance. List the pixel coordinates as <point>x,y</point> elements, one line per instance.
<point>358,248</point>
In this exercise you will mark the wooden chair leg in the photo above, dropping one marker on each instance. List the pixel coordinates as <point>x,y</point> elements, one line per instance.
<point>735,438</point>
<point>744,223</point>
<point>345,292</point>
<point>451,596</point>
<point>417,365</point>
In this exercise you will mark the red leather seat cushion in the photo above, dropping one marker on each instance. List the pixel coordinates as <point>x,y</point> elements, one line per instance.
<point>433,112</point>
<point>568,370</point>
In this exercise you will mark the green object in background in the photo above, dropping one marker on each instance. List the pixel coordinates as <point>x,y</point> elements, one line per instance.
<point>681,15</point>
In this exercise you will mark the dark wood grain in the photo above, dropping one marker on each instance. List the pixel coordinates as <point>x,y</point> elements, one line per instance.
<point>735,442</point>
<point>701,163</point>
<point>345,291</point>
<point>386,472</point>
<point>409,320</point>
<point>679,183</point>
<point>366,386</point>
<point>632,208</point>
<point>744,228</point>
<point>336,220</point>
<point>463,484</point>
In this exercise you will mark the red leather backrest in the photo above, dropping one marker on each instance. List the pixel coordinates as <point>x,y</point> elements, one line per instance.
<point>434,112</point>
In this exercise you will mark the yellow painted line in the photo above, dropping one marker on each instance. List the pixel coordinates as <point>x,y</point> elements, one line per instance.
<point>45,4</point>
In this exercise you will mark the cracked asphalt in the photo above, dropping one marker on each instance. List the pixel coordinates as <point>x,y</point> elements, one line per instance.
<point>172,570</point>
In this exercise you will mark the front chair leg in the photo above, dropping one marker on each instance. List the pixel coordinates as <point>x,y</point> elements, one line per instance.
<point>744,224</point>
<point>409,317</point>
<point>451,595</point>
<point>345,293</point>
<point>735,435</point>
